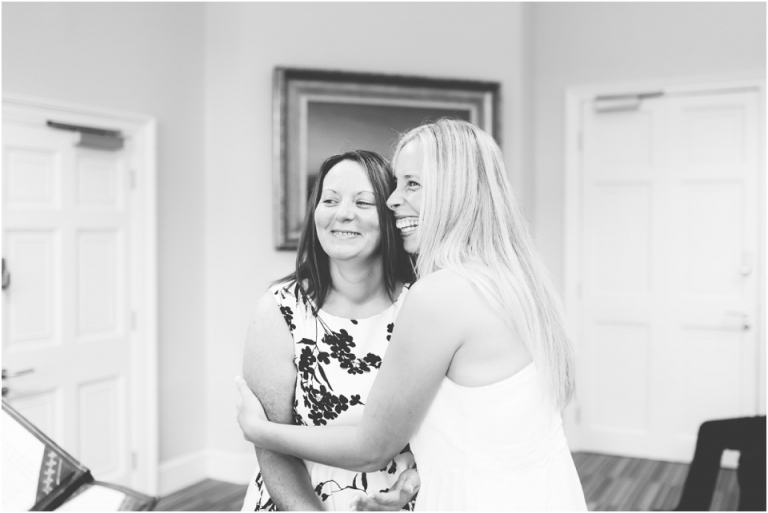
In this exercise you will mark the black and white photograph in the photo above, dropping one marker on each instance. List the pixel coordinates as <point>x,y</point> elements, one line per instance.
<point>397,255</point>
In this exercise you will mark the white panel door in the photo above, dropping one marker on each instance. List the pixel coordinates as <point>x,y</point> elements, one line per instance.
<point>669,288</point>
<point>66,311</point>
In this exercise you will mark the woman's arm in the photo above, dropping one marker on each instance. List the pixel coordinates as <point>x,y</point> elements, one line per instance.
<point>429,329</point>
<point>269,371</point>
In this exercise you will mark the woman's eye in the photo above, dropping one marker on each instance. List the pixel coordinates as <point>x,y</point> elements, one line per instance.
<point>411,184</point>
<point>329,201</point>
<point>364,204</point>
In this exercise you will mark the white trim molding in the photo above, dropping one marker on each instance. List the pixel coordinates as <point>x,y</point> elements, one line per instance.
<point>231,467</point>
<point>188,470</point>
<point>182,472</point>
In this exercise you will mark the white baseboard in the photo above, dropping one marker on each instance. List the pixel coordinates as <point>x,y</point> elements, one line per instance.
<point>230,467</point>
<point>187,470</point>
<point>181,472</point>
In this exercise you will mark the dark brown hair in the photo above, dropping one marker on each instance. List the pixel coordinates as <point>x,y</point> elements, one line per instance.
<point>313,272</point>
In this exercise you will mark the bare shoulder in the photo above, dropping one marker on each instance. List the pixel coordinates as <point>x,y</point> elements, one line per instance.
<point>268,358</point>
<point>274,304</point>
<point>444,294</point>
<point>264,315</point>
<point>444,287</point>
<point>268,334</point>
<point>267,304</point>
<point>432,324</point>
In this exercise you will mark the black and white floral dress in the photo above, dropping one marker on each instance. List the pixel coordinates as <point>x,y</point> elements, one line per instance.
<point>336,360</point>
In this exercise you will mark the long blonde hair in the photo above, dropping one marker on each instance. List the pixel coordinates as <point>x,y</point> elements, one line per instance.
<point>471,222</point>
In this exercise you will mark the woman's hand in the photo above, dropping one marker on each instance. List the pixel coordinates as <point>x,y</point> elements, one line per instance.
<point>401,493</point>
<point>250,412</point>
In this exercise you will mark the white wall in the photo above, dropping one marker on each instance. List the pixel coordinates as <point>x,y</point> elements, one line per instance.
<point>244,42</point>
<point>204,70</point>
<point>592,43</point>
<point>143,58</point>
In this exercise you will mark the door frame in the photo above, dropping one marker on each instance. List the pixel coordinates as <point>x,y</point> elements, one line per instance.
<point>575,96</point>
<point>141,131</point>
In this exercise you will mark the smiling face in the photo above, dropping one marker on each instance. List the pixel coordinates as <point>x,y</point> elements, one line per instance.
<point>346,219</point>
<point>405,202</point>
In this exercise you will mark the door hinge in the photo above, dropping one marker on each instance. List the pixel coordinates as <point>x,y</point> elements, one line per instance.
<point>745,269</point>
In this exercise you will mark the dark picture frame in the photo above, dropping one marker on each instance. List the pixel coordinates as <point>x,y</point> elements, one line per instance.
<point>318,113</point>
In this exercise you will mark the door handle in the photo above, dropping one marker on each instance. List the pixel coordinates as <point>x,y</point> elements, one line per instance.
<point>742,315</point>
<point>16,374</point>
<point>7,375</point>
<point>6,277</point>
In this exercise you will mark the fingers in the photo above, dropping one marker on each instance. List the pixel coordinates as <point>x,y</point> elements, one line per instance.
<point>400,482</point>
<point>244,392</point>
<point>384,501</point>
<point>411,482</point>
<point>407,482</point>
<point>364,502</point>
<point>405,460</point>
<point>246,398</point>
<point>241,385</point>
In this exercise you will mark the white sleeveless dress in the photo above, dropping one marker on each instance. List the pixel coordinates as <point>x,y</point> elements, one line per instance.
<point>495,447</point>
<point>337,360</point>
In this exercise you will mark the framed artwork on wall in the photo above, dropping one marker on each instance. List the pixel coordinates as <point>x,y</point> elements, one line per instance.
<point>319,113</point>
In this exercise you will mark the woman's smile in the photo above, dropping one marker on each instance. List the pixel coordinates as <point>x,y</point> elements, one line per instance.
<point>407,225</point>
<point>405,200</point>
<point>344,234</point>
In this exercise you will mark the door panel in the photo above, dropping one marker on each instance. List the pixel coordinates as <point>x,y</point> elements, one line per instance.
<point>99,181</point>
<point>623,384</point>
<point>33,313</point>
<point>32,179</point>
<point>620,239</point>
<point>101,425</point>
<point>669,294</point>
<point>66,226</point>
<point>618,229</point>
<point>712,291</point>
<point>43,409</point>
<point>99,291</point>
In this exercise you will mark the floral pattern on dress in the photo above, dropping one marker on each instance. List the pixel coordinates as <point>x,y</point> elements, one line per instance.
<point>326,353</point>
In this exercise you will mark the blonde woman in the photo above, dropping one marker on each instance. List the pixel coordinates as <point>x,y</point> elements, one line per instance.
<point>479,364</point>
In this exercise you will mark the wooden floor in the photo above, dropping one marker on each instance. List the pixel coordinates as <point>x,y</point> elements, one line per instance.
<point>611,483</point>
<point>614,483</point>
<point>208,495</point>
